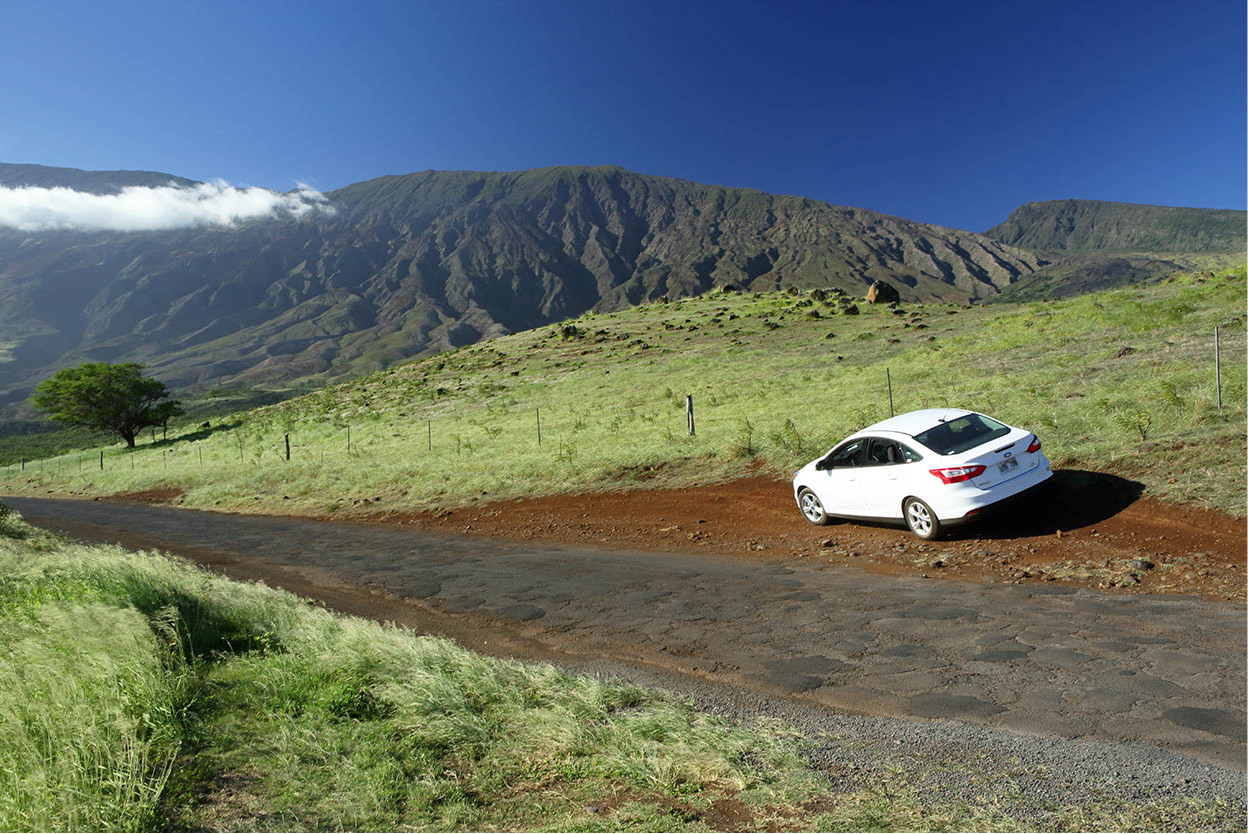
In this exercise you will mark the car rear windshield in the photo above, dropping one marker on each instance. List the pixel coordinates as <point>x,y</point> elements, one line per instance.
<point>961,434</point>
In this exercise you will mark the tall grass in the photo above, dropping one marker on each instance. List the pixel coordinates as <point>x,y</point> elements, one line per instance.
<point>89,697</point>
<point>97,665</point>
<point>87,722</point>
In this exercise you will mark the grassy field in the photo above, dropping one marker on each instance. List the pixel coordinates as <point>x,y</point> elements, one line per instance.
<point>1120,381</point>
<point>140,693</point>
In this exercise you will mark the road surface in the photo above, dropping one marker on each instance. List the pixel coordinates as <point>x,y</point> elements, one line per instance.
<point>1166,672</point>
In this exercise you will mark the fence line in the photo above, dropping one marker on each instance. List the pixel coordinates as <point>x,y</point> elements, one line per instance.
<point>475,434</point>
<point>462,439</point>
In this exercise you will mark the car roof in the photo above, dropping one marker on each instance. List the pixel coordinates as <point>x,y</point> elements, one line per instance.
<point>916,422</point>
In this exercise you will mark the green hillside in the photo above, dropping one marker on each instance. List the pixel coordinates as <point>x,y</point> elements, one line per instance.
<point>1119,381</point>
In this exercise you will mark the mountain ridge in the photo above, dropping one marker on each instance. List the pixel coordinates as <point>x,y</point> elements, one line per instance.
<point>1106,226</point>
<point>18,175</point>
<point>414,264</point>
<point>418,263</point>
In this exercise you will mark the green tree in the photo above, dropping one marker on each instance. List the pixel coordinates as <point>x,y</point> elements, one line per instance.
<point>105,397</point>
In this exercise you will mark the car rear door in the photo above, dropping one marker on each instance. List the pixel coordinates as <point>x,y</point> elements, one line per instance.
<point>885,477</point>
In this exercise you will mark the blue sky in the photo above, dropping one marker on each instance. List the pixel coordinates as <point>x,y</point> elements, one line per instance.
<point>945,112</point>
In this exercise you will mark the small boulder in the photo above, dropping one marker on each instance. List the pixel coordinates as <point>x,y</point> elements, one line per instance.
<point>882,293</point>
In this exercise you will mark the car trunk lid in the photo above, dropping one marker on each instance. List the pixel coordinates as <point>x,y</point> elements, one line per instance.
<point>1003,459</point>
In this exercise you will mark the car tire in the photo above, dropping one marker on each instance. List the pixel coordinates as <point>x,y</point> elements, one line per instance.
<point>920,519</point>
<point>811,507</point>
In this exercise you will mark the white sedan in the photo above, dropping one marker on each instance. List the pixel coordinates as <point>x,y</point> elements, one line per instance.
<point>934,469</point>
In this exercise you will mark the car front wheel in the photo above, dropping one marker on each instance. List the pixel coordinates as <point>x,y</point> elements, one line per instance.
<point>811,507</point>
<point>920,519</point>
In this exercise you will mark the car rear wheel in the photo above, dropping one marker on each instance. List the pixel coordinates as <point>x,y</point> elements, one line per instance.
<point>811,507</point>
<point>920,519</point>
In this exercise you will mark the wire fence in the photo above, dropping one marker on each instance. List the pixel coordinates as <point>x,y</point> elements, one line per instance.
<point>674,425</point>
<point>684,424</point>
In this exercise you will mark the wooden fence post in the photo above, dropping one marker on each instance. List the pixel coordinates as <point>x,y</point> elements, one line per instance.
<point>689,412</point>
<point>288,446</point>
<point>539,426</point>
<point>889,375</point>
<point>1217,367</point>
<point>101,460</point>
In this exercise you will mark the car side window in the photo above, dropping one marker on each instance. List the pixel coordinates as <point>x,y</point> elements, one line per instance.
<point>889,453</point>
<point>848,455</point>
<point>882,452</point>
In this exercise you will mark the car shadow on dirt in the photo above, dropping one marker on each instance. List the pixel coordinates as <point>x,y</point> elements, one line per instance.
<point>1070,500</point>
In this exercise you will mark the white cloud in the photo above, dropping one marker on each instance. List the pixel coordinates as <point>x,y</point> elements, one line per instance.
<point>138,208</point>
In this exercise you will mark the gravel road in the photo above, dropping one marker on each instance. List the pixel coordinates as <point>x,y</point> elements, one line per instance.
<point>1067,694</point>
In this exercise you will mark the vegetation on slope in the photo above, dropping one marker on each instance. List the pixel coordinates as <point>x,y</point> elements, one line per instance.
<point>1121,381</point>
<point>140,693</point>
<point>1079,273</point>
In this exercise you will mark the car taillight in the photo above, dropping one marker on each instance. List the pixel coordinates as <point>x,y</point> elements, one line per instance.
<point>958,474</point>
<point>1035,444</point>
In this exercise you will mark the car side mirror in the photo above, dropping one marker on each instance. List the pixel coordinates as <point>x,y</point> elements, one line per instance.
<point>823,465</point>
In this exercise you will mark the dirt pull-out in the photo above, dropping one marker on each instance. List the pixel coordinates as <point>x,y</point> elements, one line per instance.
<point>1088,529</point>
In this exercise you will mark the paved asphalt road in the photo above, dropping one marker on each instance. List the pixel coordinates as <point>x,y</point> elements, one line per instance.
<point>1049,660</point>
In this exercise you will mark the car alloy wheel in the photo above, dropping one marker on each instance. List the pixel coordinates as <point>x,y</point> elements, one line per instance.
<point>921,520</point>
<point>811,507</point>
